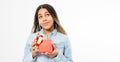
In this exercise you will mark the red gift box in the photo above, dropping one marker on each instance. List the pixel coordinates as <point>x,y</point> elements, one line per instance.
<point>46,46</point>
<point>43,45</point>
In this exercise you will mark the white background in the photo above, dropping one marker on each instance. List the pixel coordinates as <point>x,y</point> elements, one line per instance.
<point>93,27</point>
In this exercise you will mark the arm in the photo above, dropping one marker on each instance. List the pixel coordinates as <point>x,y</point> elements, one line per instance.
<point>66,55</point>
<point>27,51</point>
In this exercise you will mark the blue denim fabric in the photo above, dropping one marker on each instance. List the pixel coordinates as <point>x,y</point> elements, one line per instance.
<point>60,41</point>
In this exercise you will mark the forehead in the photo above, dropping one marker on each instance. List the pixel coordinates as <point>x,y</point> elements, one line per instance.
<point>43,11</point>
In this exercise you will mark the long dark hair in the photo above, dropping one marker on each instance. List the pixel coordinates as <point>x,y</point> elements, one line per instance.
<point>36,27</point>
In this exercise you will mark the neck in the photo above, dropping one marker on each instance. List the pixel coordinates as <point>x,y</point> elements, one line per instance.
<point>48,31</point>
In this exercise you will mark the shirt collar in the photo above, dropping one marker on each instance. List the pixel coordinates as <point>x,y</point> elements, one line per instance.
<point>51,34</point>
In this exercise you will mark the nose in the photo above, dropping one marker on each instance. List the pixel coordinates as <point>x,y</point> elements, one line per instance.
<point>44,18</point>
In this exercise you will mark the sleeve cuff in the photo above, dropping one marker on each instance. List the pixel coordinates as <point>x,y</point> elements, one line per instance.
<point>31,59</point>
<point>58,57</point>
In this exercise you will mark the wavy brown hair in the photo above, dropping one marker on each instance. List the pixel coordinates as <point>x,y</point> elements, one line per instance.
<point>36,27</point>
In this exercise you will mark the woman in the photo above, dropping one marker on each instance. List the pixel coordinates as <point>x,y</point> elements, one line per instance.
<point>47,23</point>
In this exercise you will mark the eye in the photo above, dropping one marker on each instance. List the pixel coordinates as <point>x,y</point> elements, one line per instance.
<point>40,17</point>
<point>47,14</point>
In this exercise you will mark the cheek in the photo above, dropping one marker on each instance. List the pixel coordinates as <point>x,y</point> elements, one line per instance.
<point>40,23</point>
<point>51,21</point>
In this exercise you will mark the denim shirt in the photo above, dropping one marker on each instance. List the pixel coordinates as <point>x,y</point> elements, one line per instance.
<point>59,40</point>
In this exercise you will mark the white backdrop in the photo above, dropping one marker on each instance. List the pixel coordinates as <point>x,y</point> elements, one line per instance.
<point>93,27</point>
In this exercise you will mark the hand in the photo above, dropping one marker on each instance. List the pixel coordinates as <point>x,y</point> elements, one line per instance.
<point>34,52</point>
<point>52,54</point>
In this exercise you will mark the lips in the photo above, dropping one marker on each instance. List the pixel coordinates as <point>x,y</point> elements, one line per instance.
<point>45,23</point>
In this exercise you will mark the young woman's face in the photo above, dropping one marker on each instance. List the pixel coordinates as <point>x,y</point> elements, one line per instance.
<point>45,19</point>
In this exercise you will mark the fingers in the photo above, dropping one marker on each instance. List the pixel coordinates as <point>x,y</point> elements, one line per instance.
<point>33,47</point>
<point>34,53</point>
<point>46,53</point>
<point>33,43</point>
<point>54,47</point>
<point>52,54</point>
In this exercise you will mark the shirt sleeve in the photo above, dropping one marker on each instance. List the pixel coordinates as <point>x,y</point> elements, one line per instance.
<point>66,56</point>
<point>27,51</point>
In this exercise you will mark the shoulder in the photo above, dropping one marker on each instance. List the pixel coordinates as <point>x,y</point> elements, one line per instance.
<point>32,36</point>
<point>61,40</point>
<point>62,37</point>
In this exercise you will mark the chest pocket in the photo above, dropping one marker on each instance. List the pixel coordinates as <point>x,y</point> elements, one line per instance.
<point>59,46</point>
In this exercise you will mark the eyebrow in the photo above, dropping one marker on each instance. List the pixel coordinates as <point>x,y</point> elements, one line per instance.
<point>39,14</point>
<point>45,13</point>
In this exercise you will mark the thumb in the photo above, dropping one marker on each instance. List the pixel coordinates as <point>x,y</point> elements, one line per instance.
<point>54,47</point>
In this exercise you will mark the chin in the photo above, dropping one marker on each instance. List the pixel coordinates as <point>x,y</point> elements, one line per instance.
<point>46,28</point>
